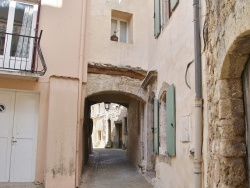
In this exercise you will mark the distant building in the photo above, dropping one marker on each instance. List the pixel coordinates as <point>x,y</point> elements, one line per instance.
<point>109,126</point>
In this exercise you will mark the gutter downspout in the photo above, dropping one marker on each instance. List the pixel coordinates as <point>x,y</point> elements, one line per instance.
<point>198,96</point>
<point>80,107</point>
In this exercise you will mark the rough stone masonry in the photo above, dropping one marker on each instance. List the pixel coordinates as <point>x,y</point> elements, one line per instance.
<point>227,49</point>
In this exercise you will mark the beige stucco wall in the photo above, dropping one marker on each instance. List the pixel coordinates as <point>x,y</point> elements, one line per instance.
<point>101,50</point>
<point>62,46</point>
<point>61,137</point>
<point>61,38</point>
<point>169,55</point>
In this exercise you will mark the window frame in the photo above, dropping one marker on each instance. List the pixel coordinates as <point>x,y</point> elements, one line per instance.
<point>118,28</point>
<point>166,12</point>
<point>9,29</point>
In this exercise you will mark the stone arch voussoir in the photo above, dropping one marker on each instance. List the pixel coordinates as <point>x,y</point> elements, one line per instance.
<point>100,83</point>
<point>230,121</point>
<point>236,57</point>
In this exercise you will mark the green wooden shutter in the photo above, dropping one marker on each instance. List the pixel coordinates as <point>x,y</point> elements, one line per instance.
<point>157,18</point>
<point>171,125</point>
<point>156,126</point>
<point>173,4</point>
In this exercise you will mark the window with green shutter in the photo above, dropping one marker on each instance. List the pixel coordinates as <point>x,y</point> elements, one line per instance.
<point>166,10</point>
<point>171,121</point>
<point>157,18</point>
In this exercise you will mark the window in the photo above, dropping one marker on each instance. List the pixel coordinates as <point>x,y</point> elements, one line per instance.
<point>121,27</point>
<point>17,22</point>
<point>163,10</point>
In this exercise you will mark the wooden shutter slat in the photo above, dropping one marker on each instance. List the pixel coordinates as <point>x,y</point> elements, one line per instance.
<point>157,18</point>
<point>171,121</point>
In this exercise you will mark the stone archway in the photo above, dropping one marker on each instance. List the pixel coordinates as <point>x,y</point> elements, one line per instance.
<point>227,142</point>
<point>101,83</point>
<point>123,90</point>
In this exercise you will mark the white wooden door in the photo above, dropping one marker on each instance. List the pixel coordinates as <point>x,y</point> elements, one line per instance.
<point>23,138</point>
<point>7,100</point>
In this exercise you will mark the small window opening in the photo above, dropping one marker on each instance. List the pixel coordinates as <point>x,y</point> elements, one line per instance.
<point>121,27</point>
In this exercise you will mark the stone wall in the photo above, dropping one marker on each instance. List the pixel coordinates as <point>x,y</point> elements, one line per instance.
<point>134,133</point>
<point>99,83</point>
<point>226,37</point>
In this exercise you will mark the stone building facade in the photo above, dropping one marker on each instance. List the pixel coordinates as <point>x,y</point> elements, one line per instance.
<point>138,73</point>
<point>170,56</point>
<point>109,126</point>
<point>227,52</point>
<point>42,91</point>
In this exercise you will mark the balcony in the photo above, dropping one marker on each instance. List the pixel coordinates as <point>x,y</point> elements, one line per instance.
<point>21,55</point>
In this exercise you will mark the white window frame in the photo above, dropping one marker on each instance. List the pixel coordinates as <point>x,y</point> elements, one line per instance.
<point>10,61</point>
<point>118,28</point>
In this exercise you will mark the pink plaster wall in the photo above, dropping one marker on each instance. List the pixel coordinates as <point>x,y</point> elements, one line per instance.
<point>61,139</point>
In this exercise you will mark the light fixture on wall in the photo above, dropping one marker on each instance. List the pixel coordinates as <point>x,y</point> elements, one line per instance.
<point>106,106</point>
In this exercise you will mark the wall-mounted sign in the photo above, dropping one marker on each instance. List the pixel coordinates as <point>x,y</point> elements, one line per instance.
<point>2,108</point>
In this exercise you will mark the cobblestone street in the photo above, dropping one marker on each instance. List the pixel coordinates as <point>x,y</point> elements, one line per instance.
<point>111,168</point>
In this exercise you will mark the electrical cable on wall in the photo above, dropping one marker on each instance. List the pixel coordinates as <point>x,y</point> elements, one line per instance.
<point>188,65</point>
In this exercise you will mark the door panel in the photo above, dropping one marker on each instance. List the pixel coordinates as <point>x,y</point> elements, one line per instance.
<point>18,136</point>
<point>4,159</point>
<point>21,161</point>
<point>21,47</point>
<point>25,136</point>
<point>6,125</point>
<point>246,86</point>
<point>25,115</point>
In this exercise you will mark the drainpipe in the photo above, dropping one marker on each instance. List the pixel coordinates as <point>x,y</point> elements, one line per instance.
<point>80,107</point>
<point>198,96</point>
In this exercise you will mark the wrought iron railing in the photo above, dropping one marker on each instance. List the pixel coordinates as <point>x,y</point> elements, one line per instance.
<point>21,53</point>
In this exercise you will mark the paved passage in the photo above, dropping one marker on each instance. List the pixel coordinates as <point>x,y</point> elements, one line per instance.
<point>110,168</point>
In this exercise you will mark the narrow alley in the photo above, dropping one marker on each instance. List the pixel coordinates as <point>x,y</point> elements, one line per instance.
<point>111,168</point>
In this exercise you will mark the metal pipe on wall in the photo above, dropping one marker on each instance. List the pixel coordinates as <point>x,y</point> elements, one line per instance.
<point>198,96</point>
<point>81,103</point>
